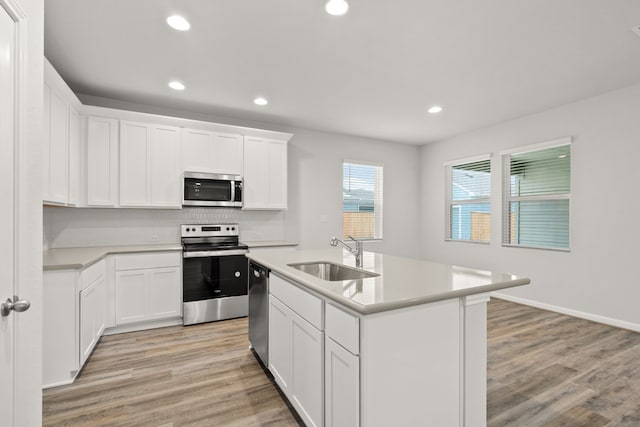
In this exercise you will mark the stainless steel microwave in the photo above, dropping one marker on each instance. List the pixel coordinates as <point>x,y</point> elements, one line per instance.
<point>209,189</point>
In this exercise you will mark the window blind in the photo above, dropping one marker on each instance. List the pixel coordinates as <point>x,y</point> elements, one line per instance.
<point>537,190</point>
<point>468,202</point>
<point>362,200</point>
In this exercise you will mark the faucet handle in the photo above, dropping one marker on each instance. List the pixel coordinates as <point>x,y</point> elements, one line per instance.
<point>333,241</point>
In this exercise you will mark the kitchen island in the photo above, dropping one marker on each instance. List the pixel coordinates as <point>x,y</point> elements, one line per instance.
<point>405,347</point>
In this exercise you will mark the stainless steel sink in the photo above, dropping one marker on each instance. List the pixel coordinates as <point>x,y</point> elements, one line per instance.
<point>332,272</point>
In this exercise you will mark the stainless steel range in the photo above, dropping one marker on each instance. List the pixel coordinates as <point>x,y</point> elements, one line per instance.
<point>214,273</point>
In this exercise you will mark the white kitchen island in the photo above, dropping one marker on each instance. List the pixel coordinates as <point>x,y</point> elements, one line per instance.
<point>405,348</point>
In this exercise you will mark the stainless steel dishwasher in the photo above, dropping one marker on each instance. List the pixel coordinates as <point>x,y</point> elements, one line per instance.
<point>259,311</point>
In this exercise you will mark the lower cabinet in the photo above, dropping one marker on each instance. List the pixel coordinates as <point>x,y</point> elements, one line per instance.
<point>342,386</point>
<point>316,364</point>
<point>74,306</point>
<point>296,360</point>
<point>148,287</point>
<point>92,316</point>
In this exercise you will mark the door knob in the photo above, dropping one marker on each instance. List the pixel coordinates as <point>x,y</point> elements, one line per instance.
<point>19,305</point>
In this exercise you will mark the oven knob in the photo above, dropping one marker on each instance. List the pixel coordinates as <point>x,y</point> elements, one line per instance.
<point>193,229</point>
<point>233,228</point>
<point>237,274</point>
<point>228,229</point>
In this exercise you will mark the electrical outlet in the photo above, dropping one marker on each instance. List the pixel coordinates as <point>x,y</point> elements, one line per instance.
<point>153,238</point>
<point>323,218</point>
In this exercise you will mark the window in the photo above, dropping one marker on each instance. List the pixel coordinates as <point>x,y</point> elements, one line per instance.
<point>361,200</point>
<point>537,190</point>
<point>468,200</point>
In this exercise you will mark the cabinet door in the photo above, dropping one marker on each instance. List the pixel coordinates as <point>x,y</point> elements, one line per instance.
<point>74,157</point>
<point>255,191</point>
<point>265,174</point>
<point>100,307</point>
<point>131,296</point>
<point>135,160</point>
<point>307,370</point>
<point>342,386</point>
<point>59,148</point>
<point>164,292</point>
<point>197,150</point>
<point>102,161</point>
<point>165,167</point>
<point>46,142</point>
<point>228,155</point>
<point>88,302</point>
<point>277,174</point>
<point>280,343</point>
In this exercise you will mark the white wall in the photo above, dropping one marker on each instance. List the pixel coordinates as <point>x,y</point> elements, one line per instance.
<point>315,189</point>
<point>600,275</point>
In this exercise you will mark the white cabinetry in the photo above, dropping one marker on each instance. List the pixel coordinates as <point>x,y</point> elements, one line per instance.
<point>74,307</point>
<point>296,348</point>
<point>148,287</point>
<point>342,386</point>
<point>92,308</point>
<point>149,165</point>
<point>61,161</point>
<point>265,174</point>
<point>102,161</point>
<point>213,152</point>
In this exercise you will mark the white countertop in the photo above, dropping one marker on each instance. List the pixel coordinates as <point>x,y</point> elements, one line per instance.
<point>74,258</point>
<point>403,282</point>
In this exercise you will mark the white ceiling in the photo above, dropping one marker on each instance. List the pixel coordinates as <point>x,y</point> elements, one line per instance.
<point>373,72</point>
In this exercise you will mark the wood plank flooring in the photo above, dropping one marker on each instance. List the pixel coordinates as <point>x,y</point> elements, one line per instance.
<point>544,369</point>
<point>201,375</point>
<point>547,369</point>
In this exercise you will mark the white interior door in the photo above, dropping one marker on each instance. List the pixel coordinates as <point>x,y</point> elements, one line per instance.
<point>7,215</point>
<point>20,217</point>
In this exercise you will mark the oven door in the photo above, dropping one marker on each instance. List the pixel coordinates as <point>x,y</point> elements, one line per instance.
<point>212,277</point>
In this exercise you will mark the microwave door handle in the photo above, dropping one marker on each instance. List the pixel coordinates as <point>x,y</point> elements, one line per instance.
<point>233,191</point>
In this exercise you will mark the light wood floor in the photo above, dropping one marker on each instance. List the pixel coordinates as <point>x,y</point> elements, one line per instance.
<point>201,375</point>
<point>547,369</point>
<point>544,369</point>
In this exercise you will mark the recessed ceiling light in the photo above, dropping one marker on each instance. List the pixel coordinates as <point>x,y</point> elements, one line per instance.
<point>435,109</point>
<point>178,22</point>
<point>336,7</point>
<point>176,85</point>
<point>260,101</point>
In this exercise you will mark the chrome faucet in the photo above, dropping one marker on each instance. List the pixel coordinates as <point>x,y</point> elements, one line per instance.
<point>357,251</point>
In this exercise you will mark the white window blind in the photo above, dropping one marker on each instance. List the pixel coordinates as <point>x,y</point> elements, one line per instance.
<point>536,193</point>
<point>361,200</point>
<point>468,201</point>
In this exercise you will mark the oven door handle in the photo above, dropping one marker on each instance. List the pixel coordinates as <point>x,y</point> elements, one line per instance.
<point>203,254</point>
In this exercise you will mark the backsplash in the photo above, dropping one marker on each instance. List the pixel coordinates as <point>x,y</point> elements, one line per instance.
<point>78,227</point>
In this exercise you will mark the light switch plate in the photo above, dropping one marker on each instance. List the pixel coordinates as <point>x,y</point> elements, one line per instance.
<point>323,218</point>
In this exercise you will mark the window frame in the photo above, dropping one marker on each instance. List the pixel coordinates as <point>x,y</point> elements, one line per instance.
<point>449,202</point>
<point>378,205</point>
<point>507,197</point>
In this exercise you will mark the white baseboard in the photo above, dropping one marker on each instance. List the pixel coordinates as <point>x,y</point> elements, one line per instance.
<point>142,326</point>
<point>570,312</point>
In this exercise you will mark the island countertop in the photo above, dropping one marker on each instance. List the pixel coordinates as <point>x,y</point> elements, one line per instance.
<point>402,282</point>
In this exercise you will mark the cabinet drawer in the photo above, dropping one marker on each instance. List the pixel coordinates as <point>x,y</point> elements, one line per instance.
<point>147,260</point>
<point>308,306</point>
<point>343,328</point>
<point>92,273</point>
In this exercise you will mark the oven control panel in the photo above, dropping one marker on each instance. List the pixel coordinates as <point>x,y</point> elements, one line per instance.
<point>208,230</point>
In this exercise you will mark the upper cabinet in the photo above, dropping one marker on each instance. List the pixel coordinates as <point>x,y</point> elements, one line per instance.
<point>61,142</point>
<point>149,165</point>
<point>102,162</point>
<point>214,152</point>
<point>103,157</point>
<point>265,173</point>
